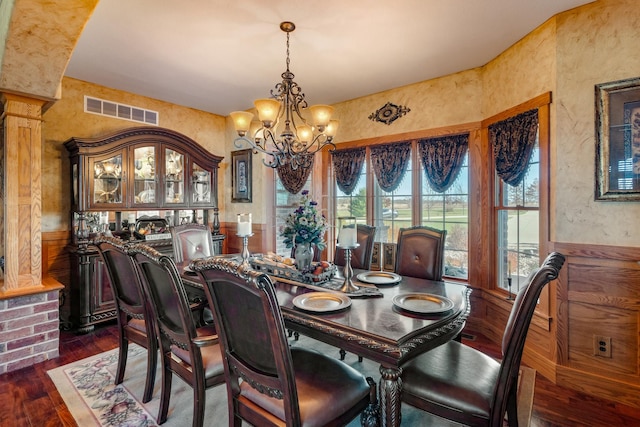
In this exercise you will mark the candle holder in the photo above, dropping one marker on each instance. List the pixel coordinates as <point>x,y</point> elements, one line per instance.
<point>347,285</point>
<point>510,297</point>
<point>245,248</point>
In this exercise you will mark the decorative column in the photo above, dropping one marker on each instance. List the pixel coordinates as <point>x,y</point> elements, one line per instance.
<point>21,190</point>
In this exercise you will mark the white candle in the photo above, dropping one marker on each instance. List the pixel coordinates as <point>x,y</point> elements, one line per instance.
<point>244,224</point>
<point>347,236</point>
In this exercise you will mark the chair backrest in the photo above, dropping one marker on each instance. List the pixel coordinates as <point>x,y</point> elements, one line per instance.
<point>244,300</point>
<point>161,281</point>
<point>361,256</point>
<point>191,241</point>
<point>127,291</point>
<point>515,333</point>
<point>420,252</point>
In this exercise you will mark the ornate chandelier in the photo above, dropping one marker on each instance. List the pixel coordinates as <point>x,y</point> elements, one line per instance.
<point>282,132</point>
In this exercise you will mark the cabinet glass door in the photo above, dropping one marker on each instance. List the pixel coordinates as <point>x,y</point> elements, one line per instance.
<point>145,177</point>
<point>107,181</point>
<point>174,177</point>
<point>201,185</point>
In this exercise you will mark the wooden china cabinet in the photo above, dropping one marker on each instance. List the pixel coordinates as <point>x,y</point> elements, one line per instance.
<point>133,178</point>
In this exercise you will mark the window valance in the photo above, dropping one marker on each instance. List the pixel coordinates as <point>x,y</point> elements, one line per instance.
<point>347,165</point>
<point>513,140</point>
<point>389,163</point>
<point>442,159</point>
<point>293,180</point>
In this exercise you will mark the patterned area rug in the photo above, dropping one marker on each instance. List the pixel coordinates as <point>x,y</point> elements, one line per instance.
<point>87,388</point>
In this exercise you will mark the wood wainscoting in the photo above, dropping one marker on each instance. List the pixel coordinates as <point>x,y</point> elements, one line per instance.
<point>596,295</point>
<point>55,257</point>
<point>599,296</point>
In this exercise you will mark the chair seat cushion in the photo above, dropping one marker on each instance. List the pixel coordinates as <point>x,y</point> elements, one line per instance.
<point>326,387</point>
<point>211,354</point>
<point>138,324</point>
<point>451,378</point>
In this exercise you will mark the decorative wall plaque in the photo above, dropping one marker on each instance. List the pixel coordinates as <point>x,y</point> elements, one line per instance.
<point>389,113</point>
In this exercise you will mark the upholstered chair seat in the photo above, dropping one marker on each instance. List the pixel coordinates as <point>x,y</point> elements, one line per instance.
<point>317,391</point>
<point>191,352</point>
<point>461,384</point>
<point>134,315</point>
<point>268,383</point>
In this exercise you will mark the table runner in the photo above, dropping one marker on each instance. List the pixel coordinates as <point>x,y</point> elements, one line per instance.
<point>334,284</point>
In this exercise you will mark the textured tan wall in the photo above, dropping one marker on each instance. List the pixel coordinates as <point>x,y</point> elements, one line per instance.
<point>597,43</point>
<point>66,118</point>
<point>567,55</point>
<point>450,100</point>
<point>41,37</point>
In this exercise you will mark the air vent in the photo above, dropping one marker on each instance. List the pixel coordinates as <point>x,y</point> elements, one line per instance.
<point>120,111</point>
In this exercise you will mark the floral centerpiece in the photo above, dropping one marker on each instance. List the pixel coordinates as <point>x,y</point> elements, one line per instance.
<point>305,225</point>
<point>304,230</point>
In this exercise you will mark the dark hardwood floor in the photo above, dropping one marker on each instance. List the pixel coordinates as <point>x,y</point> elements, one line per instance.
<point>29,398</point>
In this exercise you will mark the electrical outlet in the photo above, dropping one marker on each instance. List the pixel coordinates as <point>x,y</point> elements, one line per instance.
<point>601,346</point>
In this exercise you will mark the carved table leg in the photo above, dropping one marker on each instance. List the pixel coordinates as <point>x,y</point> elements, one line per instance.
<point>390,394</point>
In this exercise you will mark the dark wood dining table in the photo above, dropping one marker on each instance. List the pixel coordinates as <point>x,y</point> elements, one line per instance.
<point>375,328</point>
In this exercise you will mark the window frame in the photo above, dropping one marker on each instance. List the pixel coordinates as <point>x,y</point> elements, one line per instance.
<point>542,103</point>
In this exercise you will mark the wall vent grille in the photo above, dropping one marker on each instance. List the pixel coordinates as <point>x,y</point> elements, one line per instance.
<point>121,111</point>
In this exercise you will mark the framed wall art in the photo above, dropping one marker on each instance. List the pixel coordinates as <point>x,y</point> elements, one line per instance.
<point>375,257</point>
<point>618,140</point>
<point>389,256</point>
<point>241,182</point>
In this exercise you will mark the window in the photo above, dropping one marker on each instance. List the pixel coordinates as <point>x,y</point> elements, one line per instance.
<point>450,211</point>
<point>517,213</point>
<point>285,203</point>
<point>354,204</point>
<point>393,210</point>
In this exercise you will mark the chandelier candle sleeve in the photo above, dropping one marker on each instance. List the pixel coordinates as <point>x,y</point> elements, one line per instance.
<point>244,224</point>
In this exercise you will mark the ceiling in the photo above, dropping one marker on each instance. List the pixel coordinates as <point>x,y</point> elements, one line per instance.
<point>220,55</point>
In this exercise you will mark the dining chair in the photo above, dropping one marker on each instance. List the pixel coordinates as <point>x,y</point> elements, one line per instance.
<point>420,252</point>
<point>360,256</point>
<point>462,384</point>
<point>190,352</point>
<point>191,241</point>
<point>269,383</point>
<point>133,313</point>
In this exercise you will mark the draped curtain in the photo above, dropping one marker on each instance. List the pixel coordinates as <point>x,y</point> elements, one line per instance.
<point>389,163</point>
<point>347,165</point>
<point>293,180</point>
<point>513,140</point>
<point>442,158</point>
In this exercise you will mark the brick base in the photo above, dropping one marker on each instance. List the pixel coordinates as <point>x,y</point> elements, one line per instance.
<point>29,330</point>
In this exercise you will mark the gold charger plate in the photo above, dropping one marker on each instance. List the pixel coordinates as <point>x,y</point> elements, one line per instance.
<point>423,303</point>
<point>379,277</point>
<point>322,302</point>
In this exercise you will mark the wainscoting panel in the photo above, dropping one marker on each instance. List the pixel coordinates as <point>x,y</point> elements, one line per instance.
<point>599,297</point>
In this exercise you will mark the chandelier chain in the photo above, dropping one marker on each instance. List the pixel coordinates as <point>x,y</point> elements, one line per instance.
<point>288,51</point>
